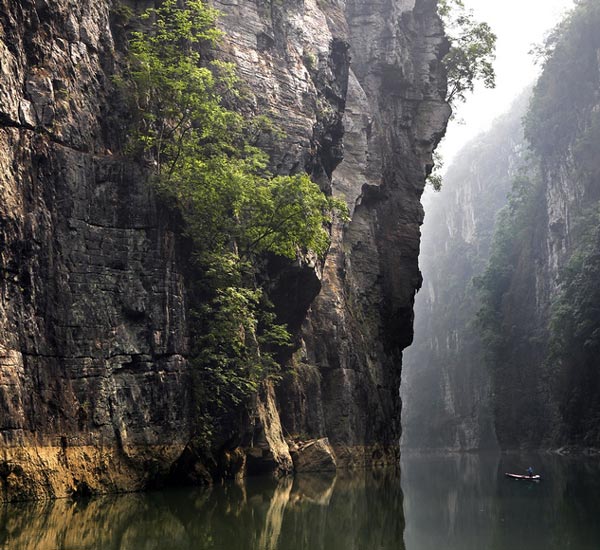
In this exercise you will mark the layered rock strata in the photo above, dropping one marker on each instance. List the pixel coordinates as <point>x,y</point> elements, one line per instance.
<point>94,384</point>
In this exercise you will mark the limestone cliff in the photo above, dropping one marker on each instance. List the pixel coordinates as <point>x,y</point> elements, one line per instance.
<point>541,311</point>
<point>362,319</point>
<point>94,384</point>
<point>446,386</point>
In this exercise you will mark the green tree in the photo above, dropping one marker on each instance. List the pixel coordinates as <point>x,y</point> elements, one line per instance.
<point>472,50</point>
<point>469,59</point>
<point>435,178</point>
<point>235,211</point>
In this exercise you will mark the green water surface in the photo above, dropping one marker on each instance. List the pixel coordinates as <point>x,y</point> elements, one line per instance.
<point>459,502</point>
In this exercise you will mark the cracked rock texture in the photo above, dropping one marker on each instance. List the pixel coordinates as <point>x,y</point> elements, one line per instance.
<point>446,385</point>
<point>93,381</point>
<point>94,384</point>
<point>356,328</point>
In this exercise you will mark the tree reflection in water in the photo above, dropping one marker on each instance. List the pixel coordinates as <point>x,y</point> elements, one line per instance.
<point>347,512</point>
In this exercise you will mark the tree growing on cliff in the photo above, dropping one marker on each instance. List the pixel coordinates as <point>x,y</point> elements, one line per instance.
<point>235,211</point>
<point>472,50</point>
<point>202,151</point>
<point>469,60</point>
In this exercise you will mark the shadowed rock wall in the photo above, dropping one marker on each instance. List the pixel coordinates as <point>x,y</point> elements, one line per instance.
<point>94,385</point>
<point>356,328</point>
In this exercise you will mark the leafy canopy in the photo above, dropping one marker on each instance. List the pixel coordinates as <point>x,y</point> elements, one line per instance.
<point>203,152</point>
<point>207,165</point>
<point>472,50</point>
<point>469,59</point>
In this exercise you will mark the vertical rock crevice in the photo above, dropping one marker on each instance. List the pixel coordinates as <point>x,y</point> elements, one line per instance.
<point>94,383</point>
<point>362,319</point>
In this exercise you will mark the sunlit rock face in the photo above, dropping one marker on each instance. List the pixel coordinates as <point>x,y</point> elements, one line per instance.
<point>94,384</point>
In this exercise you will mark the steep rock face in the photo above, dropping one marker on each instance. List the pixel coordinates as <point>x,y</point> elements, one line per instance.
<point>93,389</point>
<point>356,328</point>
<point>446,386</point>
<point>94,386</point>
<point>543,298</point>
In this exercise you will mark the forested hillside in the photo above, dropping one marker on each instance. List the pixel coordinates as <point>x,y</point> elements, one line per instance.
<point>541,311</point>
<point>508,322</point>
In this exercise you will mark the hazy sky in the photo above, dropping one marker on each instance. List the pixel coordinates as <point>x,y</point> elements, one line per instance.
<point>519,24</point>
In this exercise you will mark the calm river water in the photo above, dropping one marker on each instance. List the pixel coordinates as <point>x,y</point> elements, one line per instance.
<point>458,502</point>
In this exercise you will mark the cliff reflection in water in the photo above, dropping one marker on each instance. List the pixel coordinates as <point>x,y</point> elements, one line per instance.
<point>308,512</point>
<point>464,502</point>
<point>449,501</point>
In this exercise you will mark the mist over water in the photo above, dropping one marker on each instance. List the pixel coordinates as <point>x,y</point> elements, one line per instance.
<point>464,502</point>
<point>445,388</point>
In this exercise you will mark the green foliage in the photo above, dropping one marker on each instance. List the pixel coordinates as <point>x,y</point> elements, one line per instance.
<point>585,152</point>
<point>435,178</point>
<point>235,211</point>
<point>574,332</point>
<point>310,60</point>
<point>230,345</point>
<point>176,98</point>
<point>511,231</point>
<point>472,50</point>
<point>575,323</point>
<point>545,355</point>
<point>570,77</point>
<point>511,336</point>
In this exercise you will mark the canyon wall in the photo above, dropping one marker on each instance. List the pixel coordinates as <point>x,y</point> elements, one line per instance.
<point>508,329</point>
<point>540,308</point>
<point>446,384</point>
<point>95,389</point>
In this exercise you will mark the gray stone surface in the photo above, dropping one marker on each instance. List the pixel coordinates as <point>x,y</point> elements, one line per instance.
<point>314,456</point>
<point>94,387</point>
<point>92,304</point>
<point>357,327</point>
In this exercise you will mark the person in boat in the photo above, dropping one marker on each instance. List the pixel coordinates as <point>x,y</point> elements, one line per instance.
<point>530,471</point>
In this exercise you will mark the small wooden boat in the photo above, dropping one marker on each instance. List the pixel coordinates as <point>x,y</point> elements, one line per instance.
<point>524,478</point>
